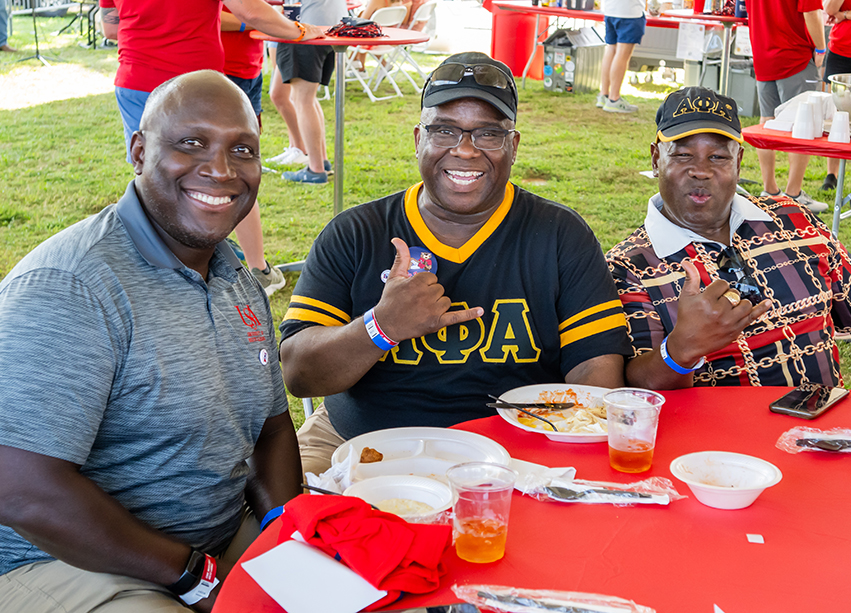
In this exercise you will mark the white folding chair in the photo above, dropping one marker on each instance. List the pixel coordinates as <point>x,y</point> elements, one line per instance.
<point>389,17</point>
<point>424,17</point>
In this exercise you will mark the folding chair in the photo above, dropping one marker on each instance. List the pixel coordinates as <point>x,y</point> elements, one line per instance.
<point>402,55</point>
<point>389,17</point>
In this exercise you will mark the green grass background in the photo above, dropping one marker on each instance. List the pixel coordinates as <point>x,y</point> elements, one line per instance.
<point>62,161</point>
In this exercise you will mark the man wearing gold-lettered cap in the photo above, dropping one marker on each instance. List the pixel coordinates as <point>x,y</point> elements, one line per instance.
<point>720,288</point>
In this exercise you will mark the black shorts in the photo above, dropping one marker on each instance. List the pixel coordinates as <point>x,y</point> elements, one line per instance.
<point>311,63</point>
<point>835,64</point>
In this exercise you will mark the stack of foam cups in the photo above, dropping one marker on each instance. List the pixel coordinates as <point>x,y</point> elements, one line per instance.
<point>818,113</point>
<point>804,127</point>
<point>839,132</point>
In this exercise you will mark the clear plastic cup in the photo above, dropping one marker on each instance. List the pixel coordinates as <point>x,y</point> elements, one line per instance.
<point>632,416</point>
<point>481,501</point>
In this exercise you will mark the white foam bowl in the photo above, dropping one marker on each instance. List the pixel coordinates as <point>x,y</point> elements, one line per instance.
<point>412,487</point>
<point>725,480</point>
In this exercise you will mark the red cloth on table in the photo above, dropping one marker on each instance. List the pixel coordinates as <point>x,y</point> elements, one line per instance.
<point>383,548</point>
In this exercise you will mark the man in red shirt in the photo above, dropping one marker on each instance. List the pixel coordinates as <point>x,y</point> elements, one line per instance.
<point>787,38</point>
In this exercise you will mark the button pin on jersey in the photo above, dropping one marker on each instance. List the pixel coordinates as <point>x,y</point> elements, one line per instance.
<point>422,260</point>
<point>263,357</point>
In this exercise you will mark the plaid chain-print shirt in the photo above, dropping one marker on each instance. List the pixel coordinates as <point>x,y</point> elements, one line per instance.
<point>797,264</point>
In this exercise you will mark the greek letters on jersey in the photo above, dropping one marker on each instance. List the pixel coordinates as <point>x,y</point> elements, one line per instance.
<point>535,268</point>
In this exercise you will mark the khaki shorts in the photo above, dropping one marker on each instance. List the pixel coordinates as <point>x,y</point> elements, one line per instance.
<point>317,440</point>
<point>57,587</point>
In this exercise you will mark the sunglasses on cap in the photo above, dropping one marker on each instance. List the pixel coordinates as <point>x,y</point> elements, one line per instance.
<point>730,262</point>
<point>484,74</point>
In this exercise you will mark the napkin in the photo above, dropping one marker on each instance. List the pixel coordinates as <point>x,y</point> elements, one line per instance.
<point>383,548</point>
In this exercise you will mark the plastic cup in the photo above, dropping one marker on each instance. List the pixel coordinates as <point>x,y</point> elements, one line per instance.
<point>481,495</point>
<point>804,127</point>
<point>818,113</point>
<point>839,132</point>
<point>632,415</point>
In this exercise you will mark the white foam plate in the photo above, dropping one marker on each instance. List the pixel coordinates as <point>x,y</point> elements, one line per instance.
<point>586,394</point>
<point>433,493</point>
<point>425,452</point>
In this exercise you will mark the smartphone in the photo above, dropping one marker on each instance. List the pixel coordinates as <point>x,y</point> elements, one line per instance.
<point>808,400</point>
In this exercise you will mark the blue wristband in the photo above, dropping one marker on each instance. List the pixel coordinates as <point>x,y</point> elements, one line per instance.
<point>820,51</point>
<point>273,514</point>
<point>242,26</point>
<point>381,340</point>
<point>673,365</point>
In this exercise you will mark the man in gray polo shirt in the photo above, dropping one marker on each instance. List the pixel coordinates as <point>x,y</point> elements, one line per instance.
<point>141,400</point>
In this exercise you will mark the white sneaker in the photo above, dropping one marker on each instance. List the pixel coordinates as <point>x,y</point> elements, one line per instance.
<point>601,100</point>
<point>271,281</point>
<point>804,199</point>
<point>291,156</point>
<point>619,106</point>
<point>765,194</point>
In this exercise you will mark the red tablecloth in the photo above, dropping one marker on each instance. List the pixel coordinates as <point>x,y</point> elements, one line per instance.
<point>682,558</point>
<point>761,138</point>
<point>393,36</point>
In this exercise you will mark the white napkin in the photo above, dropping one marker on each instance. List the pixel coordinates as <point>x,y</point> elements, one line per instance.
<point>297,577</point>
<point>338,477</point>
<point>532,478</point>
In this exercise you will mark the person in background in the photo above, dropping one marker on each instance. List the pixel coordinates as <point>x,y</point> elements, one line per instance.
<point>722,289</point>
<point>838,62</point>
<point>280,94</point>
<point>787,39</point>
<point>413,308</point>
<point>4,29</point>
<point>244,66</point>
<point>305,67</point>
<point>625,22</point>
<point>135,465</point>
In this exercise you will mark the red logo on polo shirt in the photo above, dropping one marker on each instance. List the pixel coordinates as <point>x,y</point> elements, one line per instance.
<point>251,320</point>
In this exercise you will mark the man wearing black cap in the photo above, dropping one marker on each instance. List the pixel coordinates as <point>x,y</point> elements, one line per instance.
<point>413,308</point>
<point>720,289</point>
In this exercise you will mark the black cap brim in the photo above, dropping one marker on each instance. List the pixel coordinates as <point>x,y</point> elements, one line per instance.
<point>436,98</point>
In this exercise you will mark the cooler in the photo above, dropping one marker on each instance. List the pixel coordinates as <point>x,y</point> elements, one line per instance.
<point>572,61</point>
<point>512,41</point>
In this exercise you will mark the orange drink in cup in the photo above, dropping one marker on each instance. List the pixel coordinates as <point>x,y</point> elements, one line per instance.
<point>632,416</point>
<point>481,494</point>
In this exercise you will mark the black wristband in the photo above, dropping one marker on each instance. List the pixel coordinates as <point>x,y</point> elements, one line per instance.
<point>191,575</point>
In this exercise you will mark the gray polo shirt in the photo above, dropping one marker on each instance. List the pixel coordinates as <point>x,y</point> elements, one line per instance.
<point>117,357</point>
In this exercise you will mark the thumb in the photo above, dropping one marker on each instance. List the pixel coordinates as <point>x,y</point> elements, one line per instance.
<point>402,260</point>
<point>692,284</point>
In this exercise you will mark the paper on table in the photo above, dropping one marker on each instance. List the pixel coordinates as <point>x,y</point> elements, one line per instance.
<point>297,577</point>
<point>532,478</point>
<point>690,42</point>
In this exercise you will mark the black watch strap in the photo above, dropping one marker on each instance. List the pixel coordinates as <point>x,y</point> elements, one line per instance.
<point>191,575</point>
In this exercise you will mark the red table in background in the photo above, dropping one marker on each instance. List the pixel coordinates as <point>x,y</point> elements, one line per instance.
<point>392,37</point>
<point>680,558</point>
<point>775,140</point>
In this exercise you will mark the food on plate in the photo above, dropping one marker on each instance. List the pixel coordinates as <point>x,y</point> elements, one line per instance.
<point>404,506</point>
<point>583,418</point>
<point>370,455</point>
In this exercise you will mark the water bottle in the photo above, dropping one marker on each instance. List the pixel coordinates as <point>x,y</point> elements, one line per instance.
<point>741,9</point>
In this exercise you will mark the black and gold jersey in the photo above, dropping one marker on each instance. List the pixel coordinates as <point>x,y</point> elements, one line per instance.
<point>535,268</point>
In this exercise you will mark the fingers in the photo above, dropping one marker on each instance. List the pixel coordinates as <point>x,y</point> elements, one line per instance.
<point>692,285</point>
<point>402,260</point>
<point>458,317</point>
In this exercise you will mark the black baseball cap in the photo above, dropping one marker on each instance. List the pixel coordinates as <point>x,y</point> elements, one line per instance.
<point>472,75</point>
<point>693,110</point>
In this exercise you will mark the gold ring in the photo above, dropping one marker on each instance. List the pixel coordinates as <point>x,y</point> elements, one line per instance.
<point>733,296</point>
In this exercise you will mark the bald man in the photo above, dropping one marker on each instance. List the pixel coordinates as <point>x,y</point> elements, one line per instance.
<point>143,416</point>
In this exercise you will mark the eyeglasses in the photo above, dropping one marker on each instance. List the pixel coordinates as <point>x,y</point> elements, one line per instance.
<point>730,262</point>
<point>449,137</point>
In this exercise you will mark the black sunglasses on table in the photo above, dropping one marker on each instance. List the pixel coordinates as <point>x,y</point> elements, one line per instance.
<point>730,262</point>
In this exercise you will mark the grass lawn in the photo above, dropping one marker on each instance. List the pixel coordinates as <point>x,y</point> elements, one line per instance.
<point>62,161</point>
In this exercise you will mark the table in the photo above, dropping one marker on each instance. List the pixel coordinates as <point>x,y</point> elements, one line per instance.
<point>392,37</point>
<point>684,557</point>
<point>761,138</point>
<point>668,20</point>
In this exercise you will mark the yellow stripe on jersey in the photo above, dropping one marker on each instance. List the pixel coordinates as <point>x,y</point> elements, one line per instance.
<point>447,252</point>
<point>590,329</point>
<point>308,315</point>
<point>605,306</point>
<point>331,310</point>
